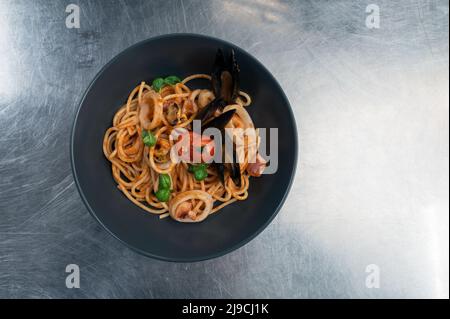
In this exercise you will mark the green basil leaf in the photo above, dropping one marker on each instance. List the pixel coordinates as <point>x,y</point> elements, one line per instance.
<point>197,167</point>
<point>164,181</point>
<point>172,79</point>
<point>158,83</point>
<point>163,195</point>
<point>200,174</point>
<point>148,138</point>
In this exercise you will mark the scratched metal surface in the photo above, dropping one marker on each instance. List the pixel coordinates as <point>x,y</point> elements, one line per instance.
<point>372,185</point>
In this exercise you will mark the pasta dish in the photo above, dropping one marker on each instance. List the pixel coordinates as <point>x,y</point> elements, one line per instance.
<point>182,152</point>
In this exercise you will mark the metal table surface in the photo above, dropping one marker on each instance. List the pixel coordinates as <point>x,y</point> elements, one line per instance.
<point>371,105</point>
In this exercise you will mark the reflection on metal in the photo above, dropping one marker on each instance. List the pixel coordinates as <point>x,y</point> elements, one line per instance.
<point>372,185</point>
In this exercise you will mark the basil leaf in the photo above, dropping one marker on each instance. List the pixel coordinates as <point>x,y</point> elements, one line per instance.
<point>172,79</point>
<point>199,171</point>
<point>163,195</point>
<point>193,168</point>
<point>164,181</point>
<point>148,138</point>
<point>158,83</point>
<point>200,174</point>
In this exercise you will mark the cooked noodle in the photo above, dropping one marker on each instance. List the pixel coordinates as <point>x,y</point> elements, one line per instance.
<point>136,167</point>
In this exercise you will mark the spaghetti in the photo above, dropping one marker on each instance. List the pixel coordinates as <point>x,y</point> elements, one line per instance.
<point>138,145</point>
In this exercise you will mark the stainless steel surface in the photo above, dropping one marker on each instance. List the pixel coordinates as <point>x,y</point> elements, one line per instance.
<point>372,185</point>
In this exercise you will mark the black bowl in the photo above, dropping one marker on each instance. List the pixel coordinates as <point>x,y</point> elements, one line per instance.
<point>232,227</point>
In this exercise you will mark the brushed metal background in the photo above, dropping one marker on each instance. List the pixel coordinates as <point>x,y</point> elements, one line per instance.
<point>372,185</point>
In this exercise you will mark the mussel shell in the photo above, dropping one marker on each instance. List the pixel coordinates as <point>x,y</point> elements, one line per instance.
<point>210,109</point>
<point>225,69</point>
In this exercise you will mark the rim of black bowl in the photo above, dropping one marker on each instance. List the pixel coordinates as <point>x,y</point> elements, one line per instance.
<point>224,251</point>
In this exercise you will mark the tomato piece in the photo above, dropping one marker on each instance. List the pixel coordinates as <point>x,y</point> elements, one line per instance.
<point>197,145</point>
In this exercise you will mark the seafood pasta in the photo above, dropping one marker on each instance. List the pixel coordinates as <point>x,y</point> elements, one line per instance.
<point>166,166</point>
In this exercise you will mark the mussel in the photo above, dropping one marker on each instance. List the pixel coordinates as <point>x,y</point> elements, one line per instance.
<point>220,122</point>
<point>212,109</point>
<point>225,77</point>
<point>225,86</point>
<point>234,169</point>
